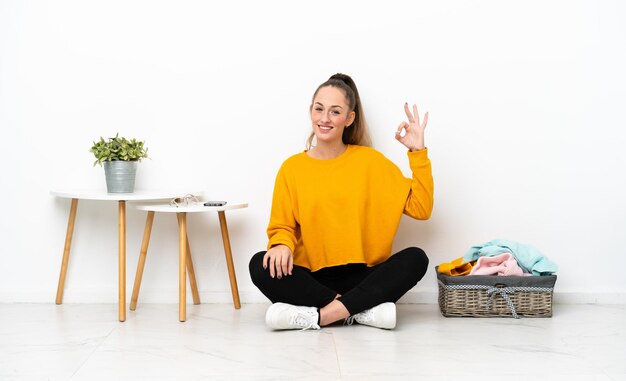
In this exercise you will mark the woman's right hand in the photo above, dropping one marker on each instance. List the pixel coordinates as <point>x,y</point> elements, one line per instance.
<point>279,259</point>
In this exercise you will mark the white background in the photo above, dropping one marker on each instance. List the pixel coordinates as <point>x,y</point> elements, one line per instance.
<point>526,129</point>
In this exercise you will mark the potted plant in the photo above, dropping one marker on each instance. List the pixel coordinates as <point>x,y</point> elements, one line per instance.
<point>119,156</point>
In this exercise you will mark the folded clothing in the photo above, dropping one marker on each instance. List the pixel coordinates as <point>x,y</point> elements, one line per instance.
<point>503,264</point>
<point>456,267</point>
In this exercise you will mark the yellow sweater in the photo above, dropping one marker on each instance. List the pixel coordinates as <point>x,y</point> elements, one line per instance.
<point>347,209</point>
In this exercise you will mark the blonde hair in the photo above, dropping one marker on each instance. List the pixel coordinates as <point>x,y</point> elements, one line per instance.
<point>357,133</point>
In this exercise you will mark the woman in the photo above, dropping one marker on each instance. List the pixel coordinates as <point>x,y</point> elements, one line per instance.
<point>335,211</point>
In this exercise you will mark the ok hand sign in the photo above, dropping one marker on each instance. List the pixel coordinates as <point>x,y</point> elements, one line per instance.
<point>413,137</point>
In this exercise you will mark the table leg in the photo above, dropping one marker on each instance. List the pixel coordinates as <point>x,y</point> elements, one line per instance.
<point>142,260</point>
<point>229,259</point>
<point>66,250</point>
<point>192,275</point>
<point>122,258</point>
<point>182,256</point>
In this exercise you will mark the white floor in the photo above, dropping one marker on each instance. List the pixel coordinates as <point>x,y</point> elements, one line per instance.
<point>85,342</point>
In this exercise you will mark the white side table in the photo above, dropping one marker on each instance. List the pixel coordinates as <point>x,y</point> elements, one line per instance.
<point>184,253</point>
<point>121,198</point>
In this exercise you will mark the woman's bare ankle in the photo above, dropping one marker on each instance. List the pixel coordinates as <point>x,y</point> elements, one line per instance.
<point>332,312</point>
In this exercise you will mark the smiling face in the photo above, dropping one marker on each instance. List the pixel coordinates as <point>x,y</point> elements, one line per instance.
<point>330,115</point>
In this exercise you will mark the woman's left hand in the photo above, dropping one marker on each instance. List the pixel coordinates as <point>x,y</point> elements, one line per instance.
<point>413,137</point>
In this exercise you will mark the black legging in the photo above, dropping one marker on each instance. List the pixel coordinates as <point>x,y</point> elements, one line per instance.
<point>361,287</point>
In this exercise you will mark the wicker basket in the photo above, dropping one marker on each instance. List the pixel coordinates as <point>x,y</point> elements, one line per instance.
<point>495,296</point>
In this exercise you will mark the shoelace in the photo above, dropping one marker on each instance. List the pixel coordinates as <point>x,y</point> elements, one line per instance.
<point>364,316</point>
<point>305,321</point>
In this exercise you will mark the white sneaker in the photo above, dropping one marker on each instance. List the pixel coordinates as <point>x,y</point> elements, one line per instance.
<point>287,316</point>
<point>381,316</point>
